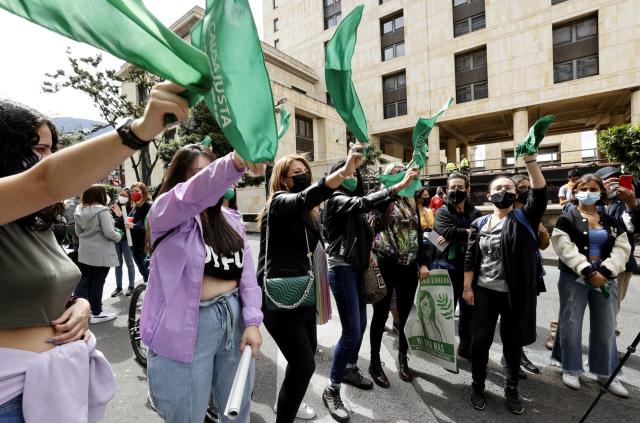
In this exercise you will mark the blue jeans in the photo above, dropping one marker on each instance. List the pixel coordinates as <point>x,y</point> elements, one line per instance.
<point>567,347</point>
<point>140,258</point>
<point>123,250</point>
<point>344,281</point>
<point>180,391</point>
<point>11,411</point>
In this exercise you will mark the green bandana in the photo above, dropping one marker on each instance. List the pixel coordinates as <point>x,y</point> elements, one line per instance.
<point>421,133</point>
<point>229,194</point>
<point>350,184</point>
<point>390,180</point>
<point>206,141</point>
<point>535,136</point>
<point>285,118</point>
<point>223,74</point>
<point>337,74</point>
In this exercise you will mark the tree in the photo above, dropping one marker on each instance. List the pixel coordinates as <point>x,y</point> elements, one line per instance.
<point>67,139</point>
<point>622,144</point>
<point>103,87</point>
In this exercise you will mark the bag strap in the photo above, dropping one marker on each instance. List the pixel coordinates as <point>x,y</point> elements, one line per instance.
<point>161,238</point>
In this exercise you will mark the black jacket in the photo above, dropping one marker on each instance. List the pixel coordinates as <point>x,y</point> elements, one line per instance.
<point>139,231</point>
<point>570,239</point>
<point>453,227</point>
<point>349,234</point>
<point>616,210</point>
<point>288,217</point>
<point>522,268</point>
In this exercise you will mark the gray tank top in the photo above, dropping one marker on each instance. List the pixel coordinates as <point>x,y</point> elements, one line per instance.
<point>36,277</point>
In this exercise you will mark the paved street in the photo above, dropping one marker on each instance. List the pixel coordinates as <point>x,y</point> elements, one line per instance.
<point>434,396</point>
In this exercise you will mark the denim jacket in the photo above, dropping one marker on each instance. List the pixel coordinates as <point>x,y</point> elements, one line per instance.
<point>169,318</point>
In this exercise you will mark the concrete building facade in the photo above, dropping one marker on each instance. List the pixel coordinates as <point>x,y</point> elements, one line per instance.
<point>506,63</point>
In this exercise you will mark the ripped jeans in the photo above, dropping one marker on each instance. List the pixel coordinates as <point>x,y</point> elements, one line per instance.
<point>180,391</point>
<point>567,347</point>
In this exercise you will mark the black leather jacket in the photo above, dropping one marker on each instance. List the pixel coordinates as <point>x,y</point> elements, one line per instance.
<point>349,234</point>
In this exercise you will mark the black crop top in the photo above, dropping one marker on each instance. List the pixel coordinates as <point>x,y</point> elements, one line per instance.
<point>223,267</point>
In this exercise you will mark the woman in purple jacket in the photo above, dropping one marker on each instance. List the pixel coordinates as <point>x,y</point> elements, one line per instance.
<point>202,307</point>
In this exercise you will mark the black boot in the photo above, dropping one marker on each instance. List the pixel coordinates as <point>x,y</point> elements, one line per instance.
<point>528,365</point>
<point>403,368</point>
<point>513,400</point>
<point>376,372</point>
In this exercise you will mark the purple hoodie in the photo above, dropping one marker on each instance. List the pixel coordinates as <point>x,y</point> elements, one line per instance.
<point>169,318</point>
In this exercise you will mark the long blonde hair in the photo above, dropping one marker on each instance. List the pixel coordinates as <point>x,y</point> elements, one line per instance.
<point>278,174</point>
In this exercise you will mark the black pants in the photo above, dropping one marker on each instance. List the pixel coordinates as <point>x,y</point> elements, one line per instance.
<point>465,311</point>
<point>298,342</point>
<point>140,258</point>
<point>91,285</point>
<point>404,279</point>
<point>488,305</point>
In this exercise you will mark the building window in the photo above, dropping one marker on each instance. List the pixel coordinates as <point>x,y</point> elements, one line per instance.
<point>394,95</point>
<point>143,93</point>
<point>383,1</point>
<point>575,49</point>
<point>276,3</point>
<point>468,16</point>
<point>557,1</point>
<point>392,37</point>
<point>548,155</point>
<point>329,100</point>
<point>304,136</point>
<point>276,25</point>
<point>332,13</point>
<point>471,76</point>
<point>276,43</point>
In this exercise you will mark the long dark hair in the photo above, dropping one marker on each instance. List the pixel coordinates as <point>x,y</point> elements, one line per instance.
<point>18,135</point>
<point>217,232</point>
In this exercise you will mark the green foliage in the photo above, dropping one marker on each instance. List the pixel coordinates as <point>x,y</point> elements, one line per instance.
<point>445,305</point>
<point>70,138</point>
<point>372,159</point>
<point>622,144</point>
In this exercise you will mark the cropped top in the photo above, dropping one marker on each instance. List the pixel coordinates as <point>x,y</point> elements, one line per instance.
<point>37,277</point>
<point>597,239</point>
<point>223,267</point>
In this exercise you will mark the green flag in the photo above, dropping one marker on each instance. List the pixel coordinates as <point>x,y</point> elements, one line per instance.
<point>240,98</point>
<point>421,133</point>
<point>285,118</point>
<point>390,180</point>
<point>125,29</point>
<point>229,71</point>
<point>535,136</point>
<point>337,74</point>
<point>206,141</point>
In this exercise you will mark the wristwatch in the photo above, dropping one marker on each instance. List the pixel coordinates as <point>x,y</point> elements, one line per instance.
<point>127,136</point>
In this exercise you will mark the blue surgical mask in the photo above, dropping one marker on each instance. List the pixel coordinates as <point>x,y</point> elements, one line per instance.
<point>588,198</point>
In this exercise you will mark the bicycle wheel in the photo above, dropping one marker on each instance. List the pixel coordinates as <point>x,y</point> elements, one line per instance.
<point>135,309</point>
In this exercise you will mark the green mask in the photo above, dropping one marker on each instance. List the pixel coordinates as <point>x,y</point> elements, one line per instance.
<point>350,184</point>
<point>229,194</point>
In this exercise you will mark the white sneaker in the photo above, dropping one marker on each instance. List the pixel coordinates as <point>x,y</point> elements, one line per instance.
<point>305,411</point>
<point>102,317</point>
<point>572,382</point>
<point>616,388</point>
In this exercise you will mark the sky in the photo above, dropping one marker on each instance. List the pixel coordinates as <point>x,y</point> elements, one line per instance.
<point>34,51</point>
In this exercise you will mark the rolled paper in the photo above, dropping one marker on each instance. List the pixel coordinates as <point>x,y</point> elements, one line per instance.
<point>337,74</point>
<point>127,230</point>
<point>232,410</point>
<point>535,136</point>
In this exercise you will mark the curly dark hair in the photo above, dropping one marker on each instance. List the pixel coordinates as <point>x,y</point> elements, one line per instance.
<point>18,135</point>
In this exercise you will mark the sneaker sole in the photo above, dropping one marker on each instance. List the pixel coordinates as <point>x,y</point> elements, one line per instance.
<point>102,320</point>
<point>517,412</point>
<point>478,407</point>
<point>336,418</point>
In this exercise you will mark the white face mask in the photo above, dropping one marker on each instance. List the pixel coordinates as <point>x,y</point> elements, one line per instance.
<point>123,200</point>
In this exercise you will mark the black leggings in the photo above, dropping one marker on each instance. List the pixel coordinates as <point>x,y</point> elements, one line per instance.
<point>91,285</point>
<point>488,305</point>
<point>298,342</point>
<point>404,279</point>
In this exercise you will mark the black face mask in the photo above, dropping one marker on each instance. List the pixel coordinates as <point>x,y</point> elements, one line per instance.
<point>523,196</point>
<point>300,182</point>
<point>503,199</point>
<point>457,196</point>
